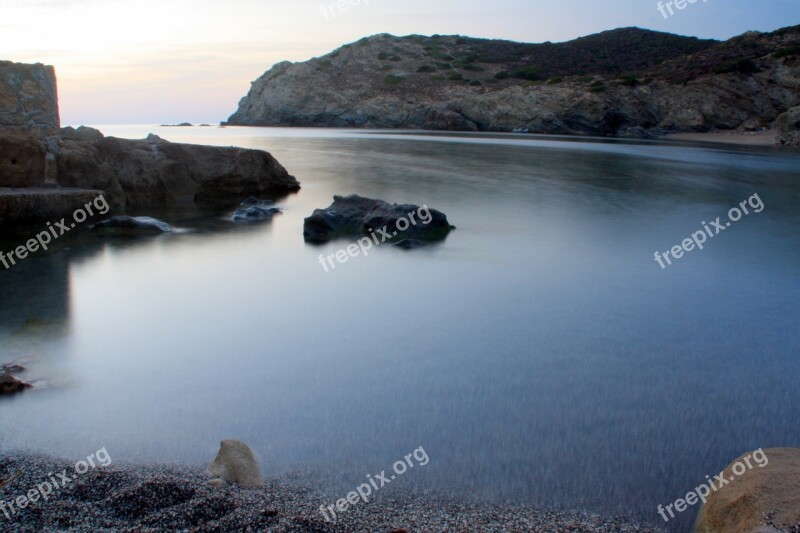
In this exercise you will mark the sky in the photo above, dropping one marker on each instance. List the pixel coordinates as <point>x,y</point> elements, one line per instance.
<point>166,61</point>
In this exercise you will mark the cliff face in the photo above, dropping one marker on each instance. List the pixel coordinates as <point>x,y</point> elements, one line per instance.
<point>626,82</point>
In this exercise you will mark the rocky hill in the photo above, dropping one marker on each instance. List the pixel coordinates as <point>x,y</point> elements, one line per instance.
<point>626,82</point>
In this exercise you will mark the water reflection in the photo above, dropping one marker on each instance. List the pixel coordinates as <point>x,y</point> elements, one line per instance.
<point>539,354</point>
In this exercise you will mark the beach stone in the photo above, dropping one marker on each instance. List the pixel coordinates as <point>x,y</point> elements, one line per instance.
<point>236,463</point>
<point>255,210</point>
<point>355,216</point>
<point>132,226</point>
<point>761,500</point>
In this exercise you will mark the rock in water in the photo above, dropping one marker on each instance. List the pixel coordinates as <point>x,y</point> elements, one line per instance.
<point>759,499</point>
<point>11,368</point>
<point>153,171</point>
<point>10,385</point>
<point>125,226</point>
<point>355,216</point>
<point>254,210</point>
<point>236,463</point>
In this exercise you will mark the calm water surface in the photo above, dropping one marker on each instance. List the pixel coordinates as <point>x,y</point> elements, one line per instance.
<point>539,355</point>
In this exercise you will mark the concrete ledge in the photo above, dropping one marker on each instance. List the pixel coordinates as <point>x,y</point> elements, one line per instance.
<point>23,206</point>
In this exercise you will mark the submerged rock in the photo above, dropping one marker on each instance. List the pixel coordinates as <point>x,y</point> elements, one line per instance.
<point>255,210</point>
<point>411,244</point>
<point>11,368</point>
<point>352,216</point>
<point>235,463</point>
<point>10,385</point>
<point>132,226</point>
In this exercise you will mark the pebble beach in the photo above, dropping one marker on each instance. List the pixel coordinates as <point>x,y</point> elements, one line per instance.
<point>178,498</point>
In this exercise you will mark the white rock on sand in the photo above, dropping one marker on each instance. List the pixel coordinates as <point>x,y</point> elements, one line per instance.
<point>236,463</point>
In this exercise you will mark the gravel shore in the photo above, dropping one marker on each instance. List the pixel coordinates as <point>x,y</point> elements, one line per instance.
<point>175,498</point>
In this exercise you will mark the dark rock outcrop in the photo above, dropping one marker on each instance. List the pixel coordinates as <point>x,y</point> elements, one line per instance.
<point>255,210</point>
<point>157,172</point>
<point>460,83</point>
<point>125,226</point>
<point>356,216</point>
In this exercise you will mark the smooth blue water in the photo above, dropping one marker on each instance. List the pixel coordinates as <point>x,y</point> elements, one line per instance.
<point>539,355</point>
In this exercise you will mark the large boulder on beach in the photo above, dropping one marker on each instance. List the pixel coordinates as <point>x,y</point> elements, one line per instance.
<point>236,463</point>
<point>154,171</point>
<point>763,499</point>
<point>356,216</point>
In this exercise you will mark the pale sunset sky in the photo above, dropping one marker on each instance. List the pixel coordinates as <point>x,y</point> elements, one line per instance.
<point>156,61</point>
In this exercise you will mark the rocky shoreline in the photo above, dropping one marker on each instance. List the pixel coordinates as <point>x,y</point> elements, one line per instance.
<point>658,84</point>
<point>179,498</point>
<point>47,172</point>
